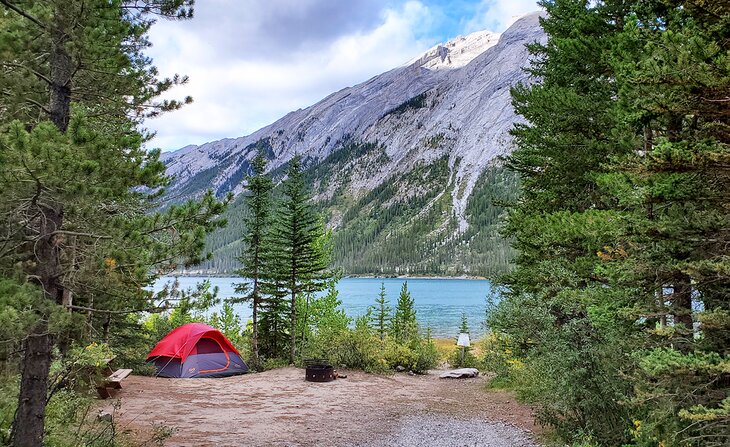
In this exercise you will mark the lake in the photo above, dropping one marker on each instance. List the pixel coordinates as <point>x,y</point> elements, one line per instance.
<point>439,302</point>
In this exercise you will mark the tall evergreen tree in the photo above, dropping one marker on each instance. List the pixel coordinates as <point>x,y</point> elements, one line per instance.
<point>672,192</point>
<point>257,223</point>
<point>382,313</point>
<point>552,297</point>
<point>300,249</point>
<point>404,326</point>
<point>74,184</point>
<point>622,218</point>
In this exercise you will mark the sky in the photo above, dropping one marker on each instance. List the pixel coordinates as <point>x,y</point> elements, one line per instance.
<point>250,62</point>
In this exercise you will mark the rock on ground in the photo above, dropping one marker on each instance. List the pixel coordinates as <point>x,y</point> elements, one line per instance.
<point>460,373</point>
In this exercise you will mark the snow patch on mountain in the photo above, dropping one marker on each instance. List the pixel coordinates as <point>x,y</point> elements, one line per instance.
<point>457,52</point>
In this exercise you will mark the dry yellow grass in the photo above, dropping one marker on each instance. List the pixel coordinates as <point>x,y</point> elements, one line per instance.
<point>446,346</point>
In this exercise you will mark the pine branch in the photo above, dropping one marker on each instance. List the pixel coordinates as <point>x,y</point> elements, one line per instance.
<point>23,13</point>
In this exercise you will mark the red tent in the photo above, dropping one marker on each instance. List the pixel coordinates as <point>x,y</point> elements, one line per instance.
<point>196,350</point>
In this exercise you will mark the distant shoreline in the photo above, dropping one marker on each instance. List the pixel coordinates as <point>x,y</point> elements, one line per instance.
<point>469,277</point>
<point>406,277</point>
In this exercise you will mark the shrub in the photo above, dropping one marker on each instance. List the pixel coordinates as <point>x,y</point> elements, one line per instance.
<point>274,363</point>
<point>464,358</point>
<point>427,356</point>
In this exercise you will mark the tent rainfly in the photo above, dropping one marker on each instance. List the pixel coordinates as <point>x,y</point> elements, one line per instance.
<point>196,350</point>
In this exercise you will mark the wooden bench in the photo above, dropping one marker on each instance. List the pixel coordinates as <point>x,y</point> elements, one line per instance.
<point>113,383</point>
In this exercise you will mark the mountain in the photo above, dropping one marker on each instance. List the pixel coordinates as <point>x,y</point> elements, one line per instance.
<point>403,165</point>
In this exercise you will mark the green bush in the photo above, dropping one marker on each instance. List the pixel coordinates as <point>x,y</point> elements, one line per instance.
<point>465,360</point>
<point>274,363</point>
<point>427,356</point>
<point>8,402</point>
<point>399,355</point>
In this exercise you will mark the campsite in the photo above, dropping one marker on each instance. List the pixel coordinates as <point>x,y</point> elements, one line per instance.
<point>279,408</point>
<point>201,395</point>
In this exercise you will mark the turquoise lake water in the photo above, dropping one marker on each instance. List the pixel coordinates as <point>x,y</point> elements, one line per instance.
<point>439,302</point>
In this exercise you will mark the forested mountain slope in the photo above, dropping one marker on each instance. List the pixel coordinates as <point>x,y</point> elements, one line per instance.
<point>403,166</point>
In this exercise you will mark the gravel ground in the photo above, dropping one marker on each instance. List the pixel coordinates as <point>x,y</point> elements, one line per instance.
<point>445,431</point>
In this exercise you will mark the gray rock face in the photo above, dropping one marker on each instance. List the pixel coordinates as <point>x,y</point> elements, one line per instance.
<point>453,101</point>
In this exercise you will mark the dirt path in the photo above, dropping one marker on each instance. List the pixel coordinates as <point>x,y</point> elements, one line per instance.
<point>278,408</point>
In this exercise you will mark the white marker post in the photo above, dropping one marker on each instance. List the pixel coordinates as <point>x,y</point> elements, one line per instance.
<point>464,342</point>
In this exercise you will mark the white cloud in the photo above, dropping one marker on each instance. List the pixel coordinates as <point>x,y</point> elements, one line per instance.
<point>498,15</point>
<point>238,91</point>
<point>252,61</point>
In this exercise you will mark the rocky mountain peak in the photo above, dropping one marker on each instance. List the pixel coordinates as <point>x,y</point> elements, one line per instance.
<point>456,52</point>
<point>425,133</point>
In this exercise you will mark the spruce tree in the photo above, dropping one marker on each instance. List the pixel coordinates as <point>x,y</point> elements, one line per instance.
<point>464,327</point>
<point>300,250</point>
<point>77,188</point>
<point>404,326</point>
<point>622,223</point>
<point>382,313</point>
<point>561,220</point>
<point>257,221</point>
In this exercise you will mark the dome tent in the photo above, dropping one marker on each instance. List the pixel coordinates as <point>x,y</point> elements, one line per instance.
<point>196,350</point>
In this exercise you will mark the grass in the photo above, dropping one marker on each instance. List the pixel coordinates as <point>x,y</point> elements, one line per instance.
<point>447,346</point>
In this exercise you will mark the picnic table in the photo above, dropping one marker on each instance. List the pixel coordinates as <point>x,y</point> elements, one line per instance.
<point>110,385</point>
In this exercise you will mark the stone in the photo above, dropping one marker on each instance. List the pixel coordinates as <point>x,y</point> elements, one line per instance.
<point>460,373</point>
<point>105,416</point>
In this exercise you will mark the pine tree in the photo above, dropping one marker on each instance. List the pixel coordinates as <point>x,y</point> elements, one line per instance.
<point>300,248</point>
<point>77,188</point>
<point>381,315</point>
<point>255,241</point>
<point>622,223</point>
<point>404,326</point>
<point>561,220</point>
<point>672,192</point>
<point>464,328</point>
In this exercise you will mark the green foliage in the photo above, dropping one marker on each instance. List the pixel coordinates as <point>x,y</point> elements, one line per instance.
<point>417,102</point>
<point>464,327</point>
<point>381,314</point>
<point>298,251</point>
<point>427,356</point>
<point>229,323</point>
<point>463,357</point>
<point>617,310</point>
<point>9,384</point>
<point>321,322</point>
<point>327,334</point>
<point>256,242</point>
<point>77,186</point>
<point>404,326</point>
<point>358,348</point>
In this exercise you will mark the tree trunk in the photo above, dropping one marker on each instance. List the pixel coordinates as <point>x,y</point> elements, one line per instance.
<point>293,335</point>
<point>29,418</point>
<point>682,300</point>
<point>61,71</point>
<point>105,328</point>
<point>29,423</point>
<point>255,325</point>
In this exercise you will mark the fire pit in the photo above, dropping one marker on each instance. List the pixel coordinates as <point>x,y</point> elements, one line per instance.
<point>319,370</point>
